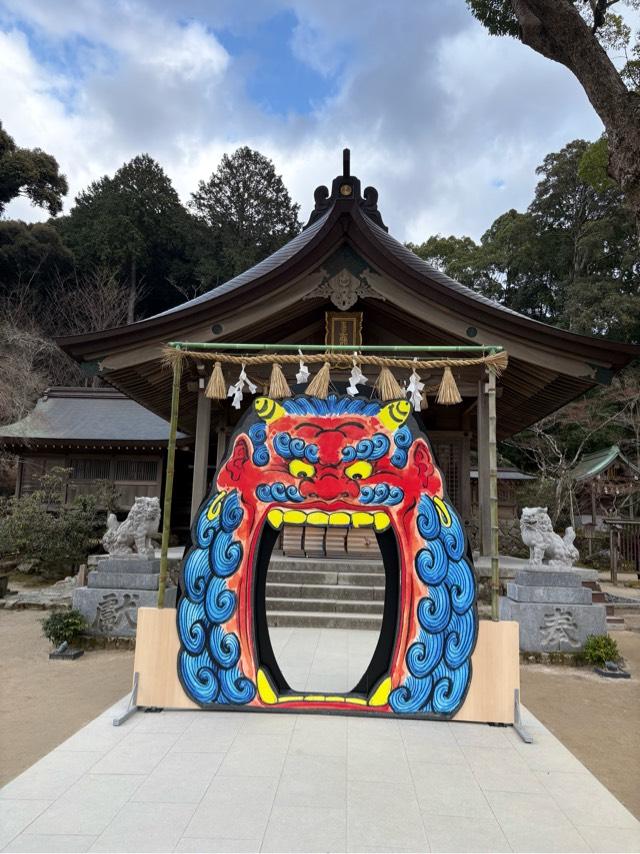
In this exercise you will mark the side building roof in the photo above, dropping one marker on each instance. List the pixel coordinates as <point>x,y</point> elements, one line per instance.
<point>79,417</point>
<point>593,464</point>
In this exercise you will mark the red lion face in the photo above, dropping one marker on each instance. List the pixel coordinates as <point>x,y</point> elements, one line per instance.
<point>346,463</point>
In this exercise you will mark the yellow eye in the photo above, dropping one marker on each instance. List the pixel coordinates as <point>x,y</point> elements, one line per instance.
<point>299,468</point>
<point>359,470</point>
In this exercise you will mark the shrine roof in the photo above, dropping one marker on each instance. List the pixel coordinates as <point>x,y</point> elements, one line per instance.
<point>66,415</point>
<point>593,464</point>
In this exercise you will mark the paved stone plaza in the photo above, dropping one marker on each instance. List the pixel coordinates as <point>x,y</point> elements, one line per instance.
<point>239,781</point>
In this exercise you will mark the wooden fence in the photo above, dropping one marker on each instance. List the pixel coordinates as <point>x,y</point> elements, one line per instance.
<point>624,545</point>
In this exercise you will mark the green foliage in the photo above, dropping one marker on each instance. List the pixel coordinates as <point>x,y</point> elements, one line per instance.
<point>496,15</point>
<point>29,172</point>
<point>570,260</point>
<point>247,209</point>
<point>32,255</point>
<point>599,649</point>
<point>41,527</point>
<point>499,18</point>
<point>134,223</point>
<point>61,626</point>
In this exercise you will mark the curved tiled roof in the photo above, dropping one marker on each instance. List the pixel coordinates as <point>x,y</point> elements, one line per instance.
<point>596,462</point>
<point>87,415</point>
<point>285,253</point>
<point>409,258</point>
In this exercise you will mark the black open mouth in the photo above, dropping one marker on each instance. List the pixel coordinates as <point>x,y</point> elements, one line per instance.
<point>379,665</point>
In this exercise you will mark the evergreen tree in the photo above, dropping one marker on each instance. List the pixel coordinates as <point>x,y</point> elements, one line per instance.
<point>247,209</point>
<point>134,223</point>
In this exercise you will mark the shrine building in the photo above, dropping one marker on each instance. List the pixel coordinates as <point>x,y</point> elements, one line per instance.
<point>345,280</point>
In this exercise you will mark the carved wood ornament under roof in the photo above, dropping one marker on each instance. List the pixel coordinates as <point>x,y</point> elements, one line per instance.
<point>344,289</point>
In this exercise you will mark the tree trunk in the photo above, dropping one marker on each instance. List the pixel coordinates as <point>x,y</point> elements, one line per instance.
<point>555,29</point>
<point>133,292</point>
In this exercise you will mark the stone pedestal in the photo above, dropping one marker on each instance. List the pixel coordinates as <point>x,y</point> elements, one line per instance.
<point>555,611</point>
<point>115,589</point>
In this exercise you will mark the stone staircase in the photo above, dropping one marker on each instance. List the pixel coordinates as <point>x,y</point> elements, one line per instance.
<point>325,593</point>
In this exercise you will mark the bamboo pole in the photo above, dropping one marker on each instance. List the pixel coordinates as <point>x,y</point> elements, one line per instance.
<point>168,483</point>
<point>493,496</point>
<point>340,348</point>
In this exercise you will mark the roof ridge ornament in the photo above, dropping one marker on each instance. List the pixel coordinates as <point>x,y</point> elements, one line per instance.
<point>346,188</point>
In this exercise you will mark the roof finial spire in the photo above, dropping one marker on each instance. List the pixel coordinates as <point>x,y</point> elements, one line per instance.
<point>346,163</point>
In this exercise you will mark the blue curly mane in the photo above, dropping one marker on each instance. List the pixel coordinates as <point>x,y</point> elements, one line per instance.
<point>209,656</point>
<point>439,661</point>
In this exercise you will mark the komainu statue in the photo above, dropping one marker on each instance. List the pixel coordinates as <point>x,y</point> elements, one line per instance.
<point>137,532</point>
<point>544,544</point>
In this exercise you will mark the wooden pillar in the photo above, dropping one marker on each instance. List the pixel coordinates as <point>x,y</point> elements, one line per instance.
<point>201,453</point>
<point>493,496</point>
<point>484,492</point>
<point>465,477</point>
<point>221,439</point>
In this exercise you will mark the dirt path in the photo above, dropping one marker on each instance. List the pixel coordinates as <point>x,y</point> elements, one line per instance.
<point>597,719</point>
<point>44,702</point>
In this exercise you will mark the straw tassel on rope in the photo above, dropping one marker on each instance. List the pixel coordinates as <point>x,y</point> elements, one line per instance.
<point>448,393</point>
<point>278,385</point>
<point>387,386</point>
<point>217,386</point>
<point>319,385</point>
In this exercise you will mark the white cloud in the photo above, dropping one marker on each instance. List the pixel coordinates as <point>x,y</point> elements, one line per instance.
<point>436,112</point>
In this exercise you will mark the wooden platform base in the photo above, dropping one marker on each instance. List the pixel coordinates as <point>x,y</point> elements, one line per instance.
<point>496,668</point>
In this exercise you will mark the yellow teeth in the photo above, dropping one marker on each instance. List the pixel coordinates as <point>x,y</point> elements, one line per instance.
<point>269,696</point>
<point>339,519</point>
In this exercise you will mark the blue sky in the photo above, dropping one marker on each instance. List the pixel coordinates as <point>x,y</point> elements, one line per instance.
<point>447,122</point>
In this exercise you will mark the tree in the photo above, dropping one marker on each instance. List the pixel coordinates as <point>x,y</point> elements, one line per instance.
<point>247,209</point>
<point>571,259</point>
<point>29,172</point>
<point>135,224</point>
<point>31,254</point>
<point>575,33</point>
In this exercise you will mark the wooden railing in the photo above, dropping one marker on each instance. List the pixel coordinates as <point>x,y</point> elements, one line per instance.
<point>624,545</point>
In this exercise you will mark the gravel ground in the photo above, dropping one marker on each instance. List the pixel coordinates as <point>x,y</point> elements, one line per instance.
<point>597,719</point>
<point>43,702</point>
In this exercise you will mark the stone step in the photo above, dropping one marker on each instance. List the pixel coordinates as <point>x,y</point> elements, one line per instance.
<point>346,606</point>
<point>326,565</point>
<point>122,580</point>
<point>324,591</point>
<point>289,576</point>
<point>319,620</point>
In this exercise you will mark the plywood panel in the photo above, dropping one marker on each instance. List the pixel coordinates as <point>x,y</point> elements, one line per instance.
<point>156,659</point>
<point>496,674</point>
<point>495,662</point>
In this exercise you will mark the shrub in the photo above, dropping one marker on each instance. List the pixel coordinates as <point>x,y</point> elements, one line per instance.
<point>601,648</point>
<point>63,626</point>
<point>41,527</point>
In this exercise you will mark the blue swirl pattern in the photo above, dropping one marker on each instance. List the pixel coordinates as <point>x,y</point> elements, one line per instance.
<point>381,493</point>
<point>294,448</point>
<point>403,440</point>
<point>208,661</point>
<point>439,661</point>
<point>367,449</point>
<point>278,492</point>
<point>258,435</point>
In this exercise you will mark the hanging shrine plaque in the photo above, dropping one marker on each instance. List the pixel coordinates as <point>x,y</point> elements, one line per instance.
<point>343,328</point>
<point>336,462</point>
